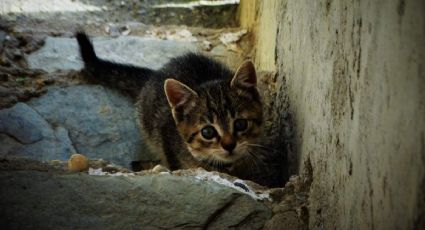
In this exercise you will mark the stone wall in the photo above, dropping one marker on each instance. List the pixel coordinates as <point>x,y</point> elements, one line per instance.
<point>353,72</point>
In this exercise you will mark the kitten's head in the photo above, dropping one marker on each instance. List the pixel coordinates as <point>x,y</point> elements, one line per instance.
<point>221,120</point>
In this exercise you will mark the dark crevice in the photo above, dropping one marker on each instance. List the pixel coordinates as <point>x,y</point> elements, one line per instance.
<point>71,140</point>
<point>52,127</point>
<point>19,141</point>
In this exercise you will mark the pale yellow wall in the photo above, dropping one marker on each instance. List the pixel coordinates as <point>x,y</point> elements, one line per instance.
<point>263,24</point>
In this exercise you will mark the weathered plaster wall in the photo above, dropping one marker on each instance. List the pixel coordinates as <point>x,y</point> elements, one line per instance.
<point>354,74</point>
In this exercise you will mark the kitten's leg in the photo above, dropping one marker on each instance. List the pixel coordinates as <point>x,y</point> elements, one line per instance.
<point>170,156</point>
<point>160,168</point>
<point>136,166</point>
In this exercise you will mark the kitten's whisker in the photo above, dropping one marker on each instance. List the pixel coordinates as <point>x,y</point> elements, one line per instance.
<point>256,157</point>
<point>215,163</point>
<point>209,162</point>
<point>257,145</point>
<point>254,163</point>
<point>254,160</point>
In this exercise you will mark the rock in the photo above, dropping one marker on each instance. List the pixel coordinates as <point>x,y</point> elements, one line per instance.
<point>101,122</point>
<point>63,53</point>
<point>24,132</point>
<point>24,124</point>
<point>88,119</point>
<point>48,200</point>
<point>288,219</point>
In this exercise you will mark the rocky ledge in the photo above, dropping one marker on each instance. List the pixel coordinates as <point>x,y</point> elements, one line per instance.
<point>36,195</point>
<point>39,196</point>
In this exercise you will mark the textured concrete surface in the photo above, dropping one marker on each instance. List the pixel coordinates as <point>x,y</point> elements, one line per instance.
<point>47,200</point>
<point>353,73</point>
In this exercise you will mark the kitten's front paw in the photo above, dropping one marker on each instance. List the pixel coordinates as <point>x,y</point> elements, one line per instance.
<point>160,168</point>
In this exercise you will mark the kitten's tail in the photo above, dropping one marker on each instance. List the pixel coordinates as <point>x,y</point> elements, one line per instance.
<point>127,78</point>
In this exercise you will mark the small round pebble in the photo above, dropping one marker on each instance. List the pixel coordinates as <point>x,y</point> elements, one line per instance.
<point>77,163</point>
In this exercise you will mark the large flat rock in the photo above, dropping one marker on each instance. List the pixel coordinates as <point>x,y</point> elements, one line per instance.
<point>60,53</point>
<point>47,200</point>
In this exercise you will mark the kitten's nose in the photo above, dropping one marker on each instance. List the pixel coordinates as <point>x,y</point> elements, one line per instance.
<point>228,142</point>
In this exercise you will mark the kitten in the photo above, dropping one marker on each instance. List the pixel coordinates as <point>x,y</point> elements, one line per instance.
<point>193,111</point>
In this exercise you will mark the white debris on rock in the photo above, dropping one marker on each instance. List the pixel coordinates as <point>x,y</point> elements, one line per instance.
<point>96,172</point>
<point>181,35</point>
<point>232,37</point>
<point>246,189</point>
<point>207,45</point>
<point>202,175</point>
<point>176,35</point>
<point>100,172</point>
<point>121,174</point>
<point>116,30</point>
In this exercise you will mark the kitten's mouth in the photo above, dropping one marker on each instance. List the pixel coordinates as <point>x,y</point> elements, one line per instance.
<point>221,162</point>
<point>218,160</point>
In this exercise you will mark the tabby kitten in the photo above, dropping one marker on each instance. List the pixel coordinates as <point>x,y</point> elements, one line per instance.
<point>194,111</point>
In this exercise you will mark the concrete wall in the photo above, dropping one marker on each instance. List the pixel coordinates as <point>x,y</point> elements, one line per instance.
<point>353,72</point>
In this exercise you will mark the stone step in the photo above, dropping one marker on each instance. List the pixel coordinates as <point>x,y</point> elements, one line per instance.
<point>37,199</point>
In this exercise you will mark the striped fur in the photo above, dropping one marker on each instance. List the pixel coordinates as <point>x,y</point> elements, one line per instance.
<point>203,93</point>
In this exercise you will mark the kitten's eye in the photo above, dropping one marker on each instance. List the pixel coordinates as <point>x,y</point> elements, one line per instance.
<point>240,125</point>
<point>208,132</point>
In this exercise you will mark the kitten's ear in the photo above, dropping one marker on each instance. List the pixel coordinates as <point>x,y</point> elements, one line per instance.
<point>178,93</point>
<point>245,75</point>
